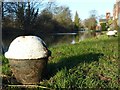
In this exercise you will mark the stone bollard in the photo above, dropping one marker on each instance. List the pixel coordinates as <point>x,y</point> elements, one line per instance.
<point>28,57</point>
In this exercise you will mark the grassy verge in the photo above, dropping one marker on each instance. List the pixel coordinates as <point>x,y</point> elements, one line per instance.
<point>92,63</point>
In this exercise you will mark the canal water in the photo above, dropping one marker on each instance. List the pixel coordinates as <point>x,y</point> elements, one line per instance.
<point>69,38</point>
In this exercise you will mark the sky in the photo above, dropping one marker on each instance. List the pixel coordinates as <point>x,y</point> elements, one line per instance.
<point>83,7</point>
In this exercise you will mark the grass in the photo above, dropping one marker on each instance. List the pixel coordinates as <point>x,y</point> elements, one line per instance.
<point>92,63</point>
<point>5,66</point>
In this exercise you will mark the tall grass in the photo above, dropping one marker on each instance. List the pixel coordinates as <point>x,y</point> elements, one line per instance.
<point>92,63</point>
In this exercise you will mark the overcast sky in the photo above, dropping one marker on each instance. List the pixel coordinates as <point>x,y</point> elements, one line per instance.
<point>83,7</point>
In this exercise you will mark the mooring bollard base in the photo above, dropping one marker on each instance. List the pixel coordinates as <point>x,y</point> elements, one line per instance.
<point>28,71</point>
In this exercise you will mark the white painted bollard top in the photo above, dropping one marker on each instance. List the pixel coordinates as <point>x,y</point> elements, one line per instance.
<point>27,47</point>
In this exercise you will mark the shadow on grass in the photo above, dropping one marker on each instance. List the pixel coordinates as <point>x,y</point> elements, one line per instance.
<point>70,62</point>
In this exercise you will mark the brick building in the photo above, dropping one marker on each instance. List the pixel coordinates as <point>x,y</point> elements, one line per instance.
<point>116,12</point>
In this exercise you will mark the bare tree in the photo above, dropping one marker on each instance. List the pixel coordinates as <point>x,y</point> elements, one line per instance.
<point>23,14</point>
<point>91,23</point>
<point>93,14</point>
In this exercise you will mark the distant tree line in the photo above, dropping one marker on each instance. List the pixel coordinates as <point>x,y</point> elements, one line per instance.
<point>27,16</point>
<point>31,16</point>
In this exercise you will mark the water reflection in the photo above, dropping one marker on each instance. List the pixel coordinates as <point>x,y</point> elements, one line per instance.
<point>85,34</point>
<point>70,38</point>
